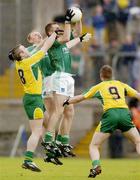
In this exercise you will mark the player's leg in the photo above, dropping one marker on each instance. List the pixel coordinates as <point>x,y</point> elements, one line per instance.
<point>58,109</point>
<point>134,136</point>
<point>66,122</point>
<point>52,150</point>
<point>33,105</point>
<point>129,129</point>
<point>36,133</point>
<point>63,136</point>
<point>49,134</point>
<point>49,105</point>
<point>107,125</point>
<point>48,101</point>
<point>97,140</point>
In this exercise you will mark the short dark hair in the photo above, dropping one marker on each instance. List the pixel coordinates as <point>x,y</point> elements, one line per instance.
<point>106,72</point>
<point>14,54</point>
<point>48,28</point>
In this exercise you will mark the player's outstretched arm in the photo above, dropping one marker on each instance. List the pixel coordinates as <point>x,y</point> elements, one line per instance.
<point>74,100</point>
<point>67,27</point>
<point>39,46</point>
<point>84,38</point>
<point>48,42</point>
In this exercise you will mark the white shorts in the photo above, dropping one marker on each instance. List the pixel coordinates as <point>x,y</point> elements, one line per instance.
<point>47,87</point>
<point>63,83</point>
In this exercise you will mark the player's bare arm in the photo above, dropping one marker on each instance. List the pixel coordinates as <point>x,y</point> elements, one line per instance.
<point>67,27</point>
<point>74,42</point>
<point>74,100</point>
<point>39,46</point>
<point>49,42</point>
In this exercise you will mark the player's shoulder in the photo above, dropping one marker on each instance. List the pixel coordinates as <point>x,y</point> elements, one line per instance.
<point>119,84</point>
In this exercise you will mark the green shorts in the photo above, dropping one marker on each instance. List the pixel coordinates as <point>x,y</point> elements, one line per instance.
<point>34,106</point>
<point>116,118</point>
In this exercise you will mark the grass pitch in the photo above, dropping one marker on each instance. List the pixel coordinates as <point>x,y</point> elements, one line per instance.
<point>73,169</point>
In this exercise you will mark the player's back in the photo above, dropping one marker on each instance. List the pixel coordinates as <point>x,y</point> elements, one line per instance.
<point>112,94</point>
<point>30,74</point>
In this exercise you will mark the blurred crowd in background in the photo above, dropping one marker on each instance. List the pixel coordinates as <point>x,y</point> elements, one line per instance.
<point>116,32</point>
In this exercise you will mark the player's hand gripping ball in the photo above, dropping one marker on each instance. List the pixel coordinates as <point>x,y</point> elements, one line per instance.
<point>78,14</point>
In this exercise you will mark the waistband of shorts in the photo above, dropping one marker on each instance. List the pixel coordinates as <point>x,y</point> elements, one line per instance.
<point>26,94</point>
<point>65,73</point>
<point>117,108</point>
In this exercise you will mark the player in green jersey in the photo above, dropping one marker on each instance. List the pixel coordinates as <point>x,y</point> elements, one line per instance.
<point>58,88</point>
<point>116,115</point>
<point>31,80</point>
<point>62,86</point>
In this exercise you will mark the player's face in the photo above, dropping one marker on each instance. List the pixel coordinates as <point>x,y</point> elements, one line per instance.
<point>56,27</point>
<point>23,52</point>
<point>35,38</point>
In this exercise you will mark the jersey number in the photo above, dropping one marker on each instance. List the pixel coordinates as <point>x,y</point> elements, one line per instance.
<point>114,91</point>
<point>21,75</point>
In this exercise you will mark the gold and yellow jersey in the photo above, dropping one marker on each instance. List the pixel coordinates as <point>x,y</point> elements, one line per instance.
<point>112,94</point>
<point>30,74</point>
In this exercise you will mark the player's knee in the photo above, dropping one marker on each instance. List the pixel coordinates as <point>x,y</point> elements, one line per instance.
<point>94,145</point>
<point>38,132</point>
<point>69,112</point>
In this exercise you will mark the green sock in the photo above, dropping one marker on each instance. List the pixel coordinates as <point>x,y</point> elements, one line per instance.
<point>59,138</point>
<point>95,163</point>
<point>65,139</point>
<point>28,156</point>
<point>48,137</point>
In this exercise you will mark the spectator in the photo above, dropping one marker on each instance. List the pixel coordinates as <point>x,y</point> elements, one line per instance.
<point>99,24</point>
<point>129,46</point>
<point>110,10</point>
<point>113,49</point>
<point>110,13</point>
<point>124,7</point>
<point>127,60</point>
<point>123,16</point>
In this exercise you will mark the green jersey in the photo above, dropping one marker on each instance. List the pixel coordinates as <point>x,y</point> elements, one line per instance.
<point>44,64</point>
<point>60,57</point>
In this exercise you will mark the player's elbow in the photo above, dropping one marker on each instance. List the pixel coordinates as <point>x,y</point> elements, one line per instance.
<point>138,96</point>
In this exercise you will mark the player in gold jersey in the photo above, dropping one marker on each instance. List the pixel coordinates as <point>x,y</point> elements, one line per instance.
<point>31,79</point>
<point>116,114</point>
